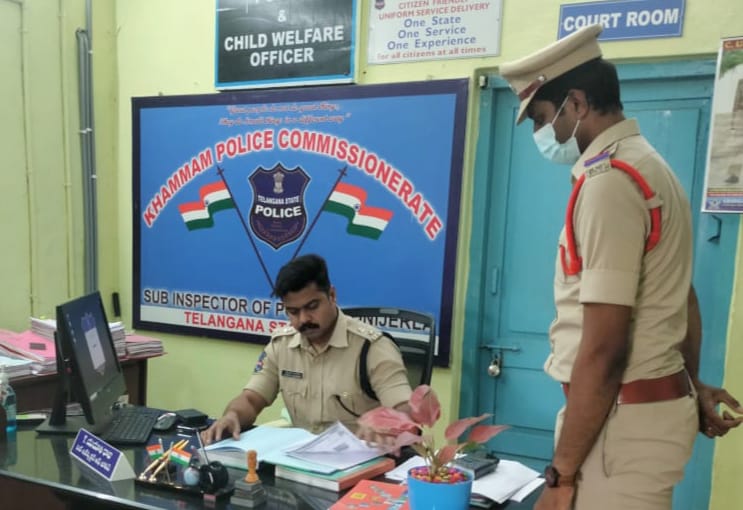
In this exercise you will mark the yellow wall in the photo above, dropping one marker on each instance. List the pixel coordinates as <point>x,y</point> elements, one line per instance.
<point>150,47</point>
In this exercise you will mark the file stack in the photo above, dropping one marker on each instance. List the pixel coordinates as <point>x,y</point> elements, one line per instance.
<point>138,345</point>
<point>119,337</point>
<point>15,367</point>
<point>38,350</point>
<point>47,327</point>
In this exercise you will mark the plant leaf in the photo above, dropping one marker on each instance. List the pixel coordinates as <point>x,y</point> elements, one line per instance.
<point>385,420</point>
<point>424,406</point>
<point>446,454</point>
<point>456,429</point>
<point>483,433</point>
<point>407,439</point>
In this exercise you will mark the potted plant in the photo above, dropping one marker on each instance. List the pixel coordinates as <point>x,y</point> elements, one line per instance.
<point>438,482</point>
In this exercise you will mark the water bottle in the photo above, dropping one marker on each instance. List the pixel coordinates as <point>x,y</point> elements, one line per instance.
<point>7,400</point>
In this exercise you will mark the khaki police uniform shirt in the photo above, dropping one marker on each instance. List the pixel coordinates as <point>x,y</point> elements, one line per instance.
<point>612,222</point>
<point>309,380</point>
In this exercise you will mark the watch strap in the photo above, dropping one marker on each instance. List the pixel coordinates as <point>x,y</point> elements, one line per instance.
<point>556,479</point>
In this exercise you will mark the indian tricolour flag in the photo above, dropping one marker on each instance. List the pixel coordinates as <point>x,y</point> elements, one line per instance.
<point>214,197</point>
<point>180,457</point>
<point>350,201</point>
<point>155,451</point>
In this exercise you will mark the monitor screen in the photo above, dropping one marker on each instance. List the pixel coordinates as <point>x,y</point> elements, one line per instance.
<point>87,365</point>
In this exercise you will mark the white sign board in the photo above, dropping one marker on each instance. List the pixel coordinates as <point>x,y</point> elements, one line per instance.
<point>417,30</point>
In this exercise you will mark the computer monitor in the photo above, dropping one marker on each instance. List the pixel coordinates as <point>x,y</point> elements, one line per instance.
<point>87,367</point>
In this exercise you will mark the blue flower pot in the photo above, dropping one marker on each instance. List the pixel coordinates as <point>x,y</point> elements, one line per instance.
<point>425,495</point>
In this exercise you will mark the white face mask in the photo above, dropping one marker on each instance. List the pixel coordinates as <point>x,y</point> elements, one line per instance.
<point>566,153</point>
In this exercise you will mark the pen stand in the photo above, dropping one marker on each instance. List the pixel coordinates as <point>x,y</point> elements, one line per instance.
<point>177,482</point>
<point>175,470</point>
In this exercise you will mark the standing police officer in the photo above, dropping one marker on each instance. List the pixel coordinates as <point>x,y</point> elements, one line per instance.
<point>625,342</point>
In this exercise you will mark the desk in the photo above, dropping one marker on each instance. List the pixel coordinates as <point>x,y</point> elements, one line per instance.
<point>43,475</point>
<point>37,391</point>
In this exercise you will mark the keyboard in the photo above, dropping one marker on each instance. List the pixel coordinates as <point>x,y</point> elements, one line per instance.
<point>131,425</point>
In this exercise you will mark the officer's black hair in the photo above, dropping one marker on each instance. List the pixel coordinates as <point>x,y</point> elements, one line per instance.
<point>597,78</point>
<point>300,272</point>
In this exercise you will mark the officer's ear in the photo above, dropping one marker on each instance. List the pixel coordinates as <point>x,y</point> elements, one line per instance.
<point>331,295</point>
<point>578,103</point>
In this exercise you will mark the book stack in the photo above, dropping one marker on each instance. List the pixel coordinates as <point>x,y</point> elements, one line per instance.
<point>340,479</point>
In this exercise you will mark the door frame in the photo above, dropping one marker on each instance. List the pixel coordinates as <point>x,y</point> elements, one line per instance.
<point>707,226</point>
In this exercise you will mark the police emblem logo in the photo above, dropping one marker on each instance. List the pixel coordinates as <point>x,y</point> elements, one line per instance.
<point>278,215</point>
<point>259,363</point>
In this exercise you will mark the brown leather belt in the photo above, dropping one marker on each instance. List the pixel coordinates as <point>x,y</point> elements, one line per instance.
<point>643,391</point>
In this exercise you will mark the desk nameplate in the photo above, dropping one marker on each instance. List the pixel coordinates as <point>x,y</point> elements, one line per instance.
<point>102,458</point>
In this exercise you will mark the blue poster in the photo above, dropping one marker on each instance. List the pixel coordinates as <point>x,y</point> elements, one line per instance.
<point>230,187</point>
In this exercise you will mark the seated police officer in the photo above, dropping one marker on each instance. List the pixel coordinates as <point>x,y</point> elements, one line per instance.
<point>314,362</point>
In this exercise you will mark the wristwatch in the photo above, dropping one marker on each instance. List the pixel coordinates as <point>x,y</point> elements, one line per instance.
<point>553,478</point>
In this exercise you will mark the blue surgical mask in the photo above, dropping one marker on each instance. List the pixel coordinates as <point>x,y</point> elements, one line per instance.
<point>566,153</point>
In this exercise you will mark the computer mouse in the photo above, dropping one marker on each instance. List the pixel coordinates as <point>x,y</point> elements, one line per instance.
<point>165,421</point>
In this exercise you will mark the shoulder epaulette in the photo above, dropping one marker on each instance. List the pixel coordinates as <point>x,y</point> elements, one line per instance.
<point>571,261</point>
<point>597,165</point>
<point>287,330</point>
<point>363,329</point>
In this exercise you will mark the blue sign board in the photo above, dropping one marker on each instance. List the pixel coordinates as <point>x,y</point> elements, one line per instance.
<point>230,187</point>
<point>625,19</point>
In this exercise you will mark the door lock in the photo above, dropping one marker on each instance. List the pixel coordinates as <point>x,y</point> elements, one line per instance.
<point>494,367</point>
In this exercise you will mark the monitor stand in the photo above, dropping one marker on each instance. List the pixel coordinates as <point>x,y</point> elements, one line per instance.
<point>58,422</point>
<point>70,426</point>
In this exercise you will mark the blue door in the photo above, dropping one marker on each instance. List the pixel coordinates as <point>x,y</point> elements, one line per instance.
<point>518,210</point>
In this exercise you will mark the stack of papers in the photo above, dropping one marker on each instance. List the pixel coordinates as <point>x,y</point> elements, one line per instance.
<point>44,327</point>
<point>138,345</point>
<point>119,337</point>
<point>264,440</point>
<point>40,351</point>
<point>47,328</point>
<point>335,449</point>
<point>510,480</point>
<point>16,367</point>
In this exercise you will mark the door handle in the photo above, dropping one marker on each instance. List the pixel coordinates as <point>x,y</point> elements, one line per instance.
<point>494,280</point>
<point>510,348</point>
<point>713,232</point>
<point>494,367</point>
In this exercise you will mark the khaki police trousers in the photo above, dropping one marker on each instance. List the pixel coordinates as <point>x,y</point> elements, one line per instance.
<point>638,457</point>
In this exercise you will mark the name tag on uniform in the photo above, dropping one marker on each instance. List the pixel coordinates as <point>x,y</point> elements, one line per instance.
<point>293,375</point>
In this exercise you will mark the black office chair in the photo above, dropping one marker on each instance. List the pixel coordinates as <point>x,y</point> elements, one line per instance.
<point>413,332</point>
